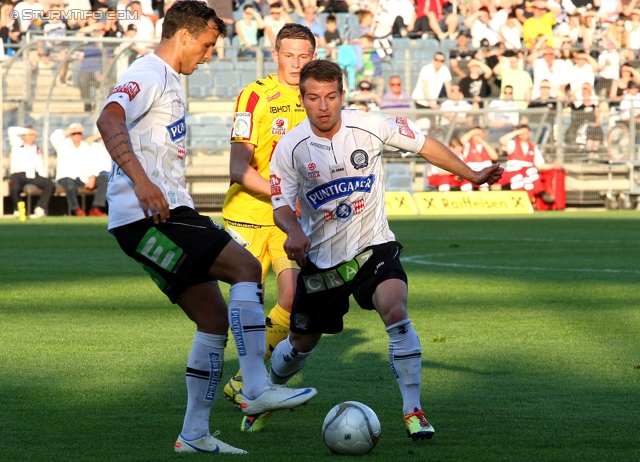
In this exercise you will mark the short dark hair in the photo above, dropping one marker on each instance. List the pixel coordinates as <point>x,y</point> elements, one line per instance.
<point>524,126</point>
<point>295,31</point>
<point>321,71</point>
<point>192,15</point>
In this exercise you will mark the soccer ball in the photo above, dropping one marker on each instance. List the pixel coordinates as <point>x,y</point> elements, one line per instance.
<point>351,428</point>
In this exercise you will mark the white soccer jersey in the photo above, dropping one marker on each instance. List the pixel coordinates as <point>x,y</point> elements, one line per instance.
<point>154,103</point>
<point>339,183</point>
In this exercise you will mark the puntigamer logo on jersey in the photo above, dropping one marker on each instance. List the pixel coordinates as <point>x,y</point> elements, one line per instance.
<point>177,130</point>
<point>336,189</point>
<point>279,127</point>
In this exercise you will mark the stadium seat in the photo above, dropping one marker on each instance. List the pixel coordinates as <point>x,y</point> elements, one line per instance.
<point>400,182</point>
<point>397,168</point>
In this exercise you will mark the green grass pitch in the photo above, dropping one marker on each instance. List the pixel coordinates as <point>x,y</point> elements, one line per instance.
<point>529,328</point>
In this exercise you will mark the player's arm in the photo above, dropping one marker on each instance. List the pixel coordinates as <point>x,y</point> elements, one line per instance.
<point>298,243</point>
<point>439,155</point>
<point>113,128</point>
<point>241,171</point>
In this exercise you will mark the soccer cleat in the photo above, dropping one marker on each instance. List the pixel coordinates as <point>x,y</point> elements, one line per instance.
<point>255,423</point>
<point>206,443</point>
<point>276,397</point>
<point>96,212</point>
<point>39,212</point>
<point>233,390</point>
<point>417,426</point>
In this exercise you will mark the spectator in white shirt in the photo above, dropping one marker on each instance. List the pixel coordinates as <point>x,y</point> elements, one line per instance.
<point>75,170</point>
<point>630,100</point>
<point>27,168</point>
<point>433,82</point>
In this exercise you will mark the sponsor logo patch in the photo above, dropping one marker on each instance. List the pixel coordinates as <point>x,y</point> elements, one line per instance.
<point>241,124</point>
<point>177,130</point>
<point>131,89</point>
<point>403,128</point>
<point>279,126</point>
<point>279,109</point>
<point>276,96</point>
<point>337,189</point>
<point>275,185</point>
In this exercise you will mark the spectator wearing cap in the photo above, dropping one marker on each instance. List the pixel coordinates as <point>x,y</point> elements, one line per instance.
<point>541,23</point>
<point>365,94</point>
<point>76,169</point>
<point>630,100</point>
<point>461,55</point>
<point>547,67</point>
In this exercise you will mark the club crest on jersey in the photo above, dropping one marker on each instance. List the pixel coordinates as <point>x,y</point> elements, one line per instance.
<point>359,159</point>
<point>177,130</point>
<point>241,124</point>
<point>345,211</point>
<point>131,89</point>
<point>338,188</point>
<point>279,127</point>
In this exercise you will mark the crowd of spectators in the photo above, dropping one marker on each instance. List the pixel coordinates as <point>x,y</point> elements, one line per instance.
<point>509,55</point>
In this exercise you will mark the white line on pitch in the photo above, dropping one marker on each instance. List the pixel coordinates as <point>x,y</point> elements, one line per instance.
<point>516,268</point>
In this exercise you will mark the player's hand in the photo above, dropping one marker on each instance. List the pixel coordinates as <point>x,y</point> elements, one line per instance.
<point>297,246</point>
<point>490,175</point>
<point>152,202</point>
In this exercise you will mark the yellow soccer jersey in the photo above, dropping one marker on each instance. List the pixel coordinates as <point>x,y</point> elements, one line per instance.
<point>265,111</point>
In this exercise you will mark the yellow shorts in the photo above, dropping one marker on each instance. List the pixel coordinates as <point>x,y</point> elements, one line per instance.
<point>266,243</point>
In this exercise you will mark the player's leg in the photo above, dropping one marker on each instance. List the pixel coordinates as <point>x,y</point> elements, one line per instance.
<point>287,274</point>
<point>206,307</point>
<point>247,323</point>
<point>253,239</point>
<point>405,353</point>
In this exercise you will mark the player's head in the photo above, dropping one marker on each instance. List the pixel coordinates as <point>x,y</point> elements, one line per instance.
<point>194,16</point>
<point>295,46</point>
<point>322,95</point>
<point>189,33</point>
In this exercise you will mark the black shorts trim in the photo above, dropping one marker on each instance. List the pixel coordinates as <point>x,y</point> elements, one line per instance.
<point>177,254</point>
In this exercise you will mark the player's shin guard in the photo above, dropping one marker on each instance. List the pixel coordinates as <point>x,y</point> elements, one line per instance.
<point>405,357</point>
<point>286,362</point>
<point>204,370</point>
<point>277,325</point>
<point>247,324</point>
